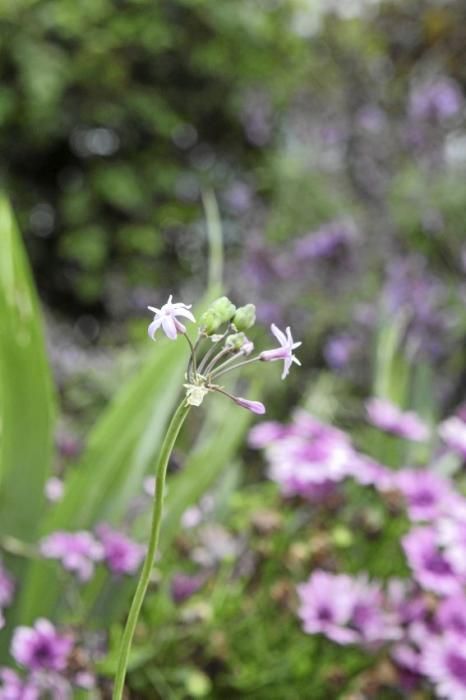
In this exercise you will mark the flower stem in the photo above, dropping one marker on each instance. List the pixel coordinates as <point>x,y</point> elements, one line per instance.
<point>144,578</point>
<point>216,374</point>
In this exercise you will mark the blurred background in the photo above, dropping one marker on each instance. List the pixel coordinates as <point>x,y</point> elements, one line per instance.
<point>332,133</point>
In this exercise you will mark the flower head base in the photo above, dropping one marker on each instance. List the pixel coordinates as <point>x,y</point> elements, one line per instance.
<point>284,352</point>
<point>167,318</point>
<point>222,325</point>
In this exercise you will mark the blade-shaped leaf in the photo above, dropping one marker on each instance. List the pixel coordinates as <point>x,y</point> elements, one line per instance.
<point>26,396</point>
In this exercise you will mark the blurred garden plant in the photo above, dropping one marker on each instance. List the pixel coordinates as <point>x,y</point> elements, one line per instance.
<point>222,327</point>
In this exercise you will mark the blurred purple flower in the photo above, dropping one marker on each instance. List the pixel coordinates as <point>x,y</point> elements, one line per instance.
<point>183,586</point>
<point>284,352</point>
<point>344,609</point>
<point>77,551</point>
<point>428,495</point>
<point>265,433</point>
<point>326,605</point>
<point>386,416</point>
<point>167,318</point>
<point>371,118</point>
<point>13,687</point>
<point>428,563</point>
<point>7,587</point>
<point>444,664</point>
<point>327,242</point>
<point>339,350</point>
<point>453,433</point>
<point>452,537</point>
<point>451,614</point>
<point>437,101</point>
<point>41,647</point>
<point>121,554</point>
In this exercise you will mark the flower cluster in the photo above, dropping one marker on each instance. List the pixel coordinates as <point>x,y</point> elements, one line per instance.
<point>50,660</point>
<point>308,458</point>
<point>422,620</point>
<point>388,417</point>
<point>346,610</point>
<point>79,552</point>
<point>222,326</point>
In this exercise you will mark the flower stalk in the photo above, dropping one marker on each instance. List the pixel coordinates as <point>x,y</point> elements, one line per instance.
<point>227,347</point>
<point>161,470</point>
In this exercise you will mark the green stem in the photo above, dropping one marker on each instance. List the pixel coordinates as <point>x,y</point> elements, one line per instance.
<point>144,578</point>
<point>216,374</point>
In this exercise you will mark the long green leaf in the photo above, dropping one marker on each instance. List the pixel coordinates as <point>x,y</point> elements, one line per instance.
<point>26,396</point>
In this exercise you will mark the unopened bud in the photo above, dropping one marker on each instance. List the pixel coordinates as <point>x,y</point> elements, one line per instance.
<point>210,322</point>
<point>236,341</point>
<point>220,312</point>
<point>245,317</point>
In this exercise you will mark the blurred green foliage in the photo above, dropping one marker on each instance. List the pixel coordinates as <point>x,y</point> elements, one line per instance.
<point>113,116</point>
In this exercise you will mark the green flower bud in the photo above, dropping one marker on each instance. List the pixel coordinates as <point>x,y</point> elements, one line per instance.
<point>210,321</point>
<point>235,341</point>
<point>218,313</point>
<point>245,317</point>
<point>224,309</point>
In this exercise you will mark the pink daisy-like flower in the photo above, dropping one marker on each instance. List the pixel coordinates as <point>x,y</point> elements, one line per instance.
<point>386,416</point>
<point>167,318</point>
<point>443,661</point>
<point>284,352</point>
<point>453,433</point>
<point>77,551</point>
<point>121,554</point>
<point>428,495</point>
<point>41,647</point>
<point>429,564</point>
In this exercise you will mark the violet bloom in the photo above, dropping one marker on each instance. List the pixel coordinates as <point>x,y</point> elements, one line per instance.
<point>450,615</point>
<point>298,464</point>
<point>121,554</point>
<point>444,664</point>
<point>327,242</point>
<point>369,617</point>
<point>266,433</point>
<point>41,647</point>
<point>183,586</point>
<point>253,406</point>
<point>452,537</point>
<point>430,567</point>
<point>368,472</point>
<point>7,587</point>
<point>453,433</point>
<point>13,687</point>
<point>167,318</point>
<point>437,101</point>
<point>77,551</point>
<point>284,352</point>
<point>386,416</point>
<point>327,602</point>
<point>428,495</point>
<point>347,610</point>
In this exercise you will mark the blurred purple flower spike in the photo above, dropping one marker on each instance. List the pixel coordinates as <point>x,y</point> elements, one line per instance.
<point>284,352</point>
<point>166,318</point>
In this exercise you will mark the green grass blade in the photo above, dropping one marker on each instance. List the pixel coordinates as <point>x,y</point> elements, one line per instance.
<point>26,395</point>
